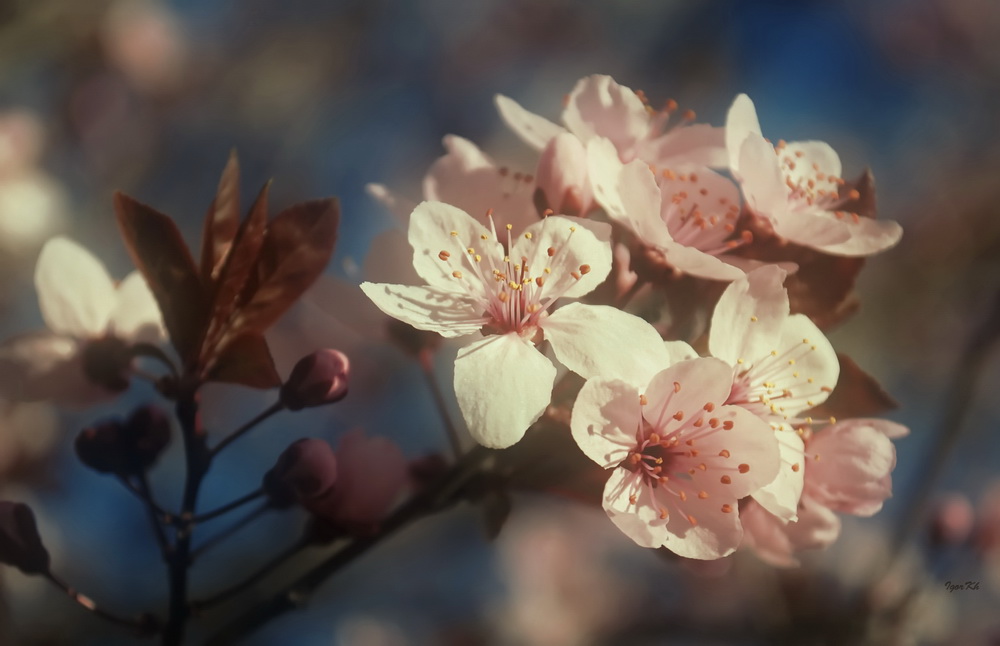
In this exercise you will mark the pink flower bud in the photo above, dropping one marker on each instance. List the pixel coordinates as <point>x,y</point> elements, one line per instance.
<point>305,471</point>
<point>372,472</point>
<point>125,447</point>
<point>562,179</point>
<point>317,379</point>
<point>20,544</point>
<point>951,520</point>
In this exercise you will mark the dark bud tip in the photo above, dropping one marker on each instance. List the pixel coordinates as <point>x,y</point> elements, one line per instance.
<point>305,471</point>
<point>125,448</point>
<point>20,544</point>
<point>317,379</point>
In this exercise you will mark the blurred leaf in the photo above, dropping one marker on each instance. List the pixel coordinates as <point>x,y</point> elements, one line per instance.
<point>857,394</point>
<point>159,251</point>
<point>247,361</point>
<point>297,247</point>
<point>221,222</point>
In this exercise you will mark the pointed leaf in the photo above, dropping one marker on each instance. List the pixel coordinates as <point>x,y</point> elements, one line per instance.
<point>159,252</point>
<point>297,247</point>
<point>237,269</point>
<point>857,394</point>
<point>222,221</point>
<point>247,361</point>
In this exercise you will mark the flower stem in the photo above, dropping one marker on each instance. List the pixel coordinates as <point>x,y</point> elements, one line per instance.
<point>239,502</point>
<point>238,433</point>
<point>229,531</point>
<point>446,492</point>
<point>425,358</point>
<point>156,516</point>
<point>245,584</point>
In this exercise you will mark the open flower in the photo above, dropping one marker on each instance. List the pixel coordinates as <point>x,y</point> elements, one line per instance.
<point>91,320</point>
<point>796,187</point>
<point>682,458</point>
<point>846,468</point>
<point>504,288</point>
<point>687,218</point>
<point>781,366</point>
<point>600,107</point>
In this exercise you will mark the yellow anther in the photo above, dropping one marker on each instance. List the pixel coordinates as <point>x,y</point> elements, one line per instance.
<point>456,274</point>
<point>527,235</point>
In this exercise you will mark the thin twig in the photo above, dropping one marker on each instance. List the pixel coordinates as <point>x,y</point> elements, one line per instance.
<point>248,582</point>
<point>239,502</point>
<point>165,516</point>
<point>425,359</point>
<point>235,435</point>
<point>230,531</point>
<point>156,517</point>
<point>91,606</point>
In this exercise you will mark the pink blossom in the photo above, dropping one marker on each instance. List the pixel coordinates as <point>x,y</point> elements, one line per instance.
<point>687,218</point>
<point>796,188</point>
<point>682,458</point>
<point>600,107</point>
<point>562,177</point>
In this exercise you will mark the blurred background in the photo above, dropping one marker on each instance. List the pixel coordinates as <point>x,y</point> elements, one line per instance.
<point>149,97</point>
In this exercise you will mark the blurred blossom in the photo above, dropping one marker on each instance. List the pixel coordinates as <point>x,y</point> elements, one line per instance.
<point>144,39</point>
<point>21,140</point>
<point>562,587</point>
<point>952,519</point>
<point>28,432</point>
<point>369,631</point>
<point>304,472</point>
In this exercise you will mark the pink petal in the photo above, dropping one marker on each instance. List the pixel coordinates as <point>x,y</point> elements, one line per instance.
<point>448,313</point>
<point>562,175</point>
<point>534,130</point>
<point>437,227</point>
<point>867,237</point>
<point>741,122</point>
<point>605,418</point>
<point>600,107</point>
<point>749,316</point>
<point>697,144</point>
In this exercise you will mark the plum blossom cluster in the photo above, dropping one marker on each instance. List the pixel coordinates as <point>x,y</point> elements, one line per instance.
<point>633,204</point>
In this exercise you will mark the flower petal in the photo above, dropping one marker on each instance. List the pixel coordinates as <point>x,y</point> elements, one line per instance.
<point>686,387</point>
<point>533,130</point>
<point>760,177</point>
<point>867,237</point>
<point>45,366</point>
<point>767,536</point>
<point>810,229</point>
<point>811,157</point>
<point>578,246</point>
<point>816,370</point>
<point>503,385</point>
<point>698,144</point>
<point>638,520</point>
<point>849,467</point>
<point>716,533</point>
<point>697,263</point>
<point>600,107</point>
<point>781,496</point>
<point>399,206</point>
<point>437,227</point>
<point>136,316</point>
<point>605,418</point>
<point>446,312</point>
<point>602,341</point>
<point>466,178</point>
<point>741,122</point>
<point>75,292</point>
<point>749,316</point>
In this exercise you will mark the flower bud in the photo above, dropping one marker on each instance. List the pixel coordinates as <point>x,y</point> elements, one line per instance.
<point>20,544</point>
<point>305,471</point>
<point>951,520</point>
<point>125,448</point>
<point>317,379</point>
<point>563,182</point>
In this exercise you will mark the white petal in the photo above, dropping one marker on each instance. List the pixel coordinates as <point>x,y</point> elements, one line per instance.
<point>817,229</point>
<point>717,534</point>
<point>531,128</point>
<point>437,227</point>
<point>867,237</point>
<point>136,316</point>
<point>781,497</point>
<point>575,243</point>
<point>816,365</point>
<point>602,341</point>
<point>749,316</point>
<point>600,107</point>
<point>46,367</point>
<point>448,313</point>
<point>767,536</point>
<point>466,178</point>
<point>503,385</point>
<point>628,193</point>
<point>816,157</point>
<point>699,144</point>
<point>639,520</point>
<point>75,292</point>
<point>686,387</point>
<point>760,176</point>
<point>605,418</point>
<point>697,263</point>
<point>741,122</point>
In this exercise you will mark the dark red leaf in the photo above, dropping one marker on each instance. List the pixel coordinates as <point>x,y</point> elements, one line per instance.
<point>857,395</point>
<point>297,247</point>
<point>221,222</point>
<point>159,252</point>
<point>247,361</point>
<point>236,270</point>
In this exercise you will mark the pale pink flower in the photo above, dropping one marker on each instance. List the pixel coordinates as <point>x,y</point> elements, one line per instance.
<point>796,188</point>
<point>682,458</point>
<point>562,177</point>
<point>503,287</point>
<point>847,469</point>
<point>81,305</point>
<point>688,218</point>
<point>600,107</point>
<point>781,366</point>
